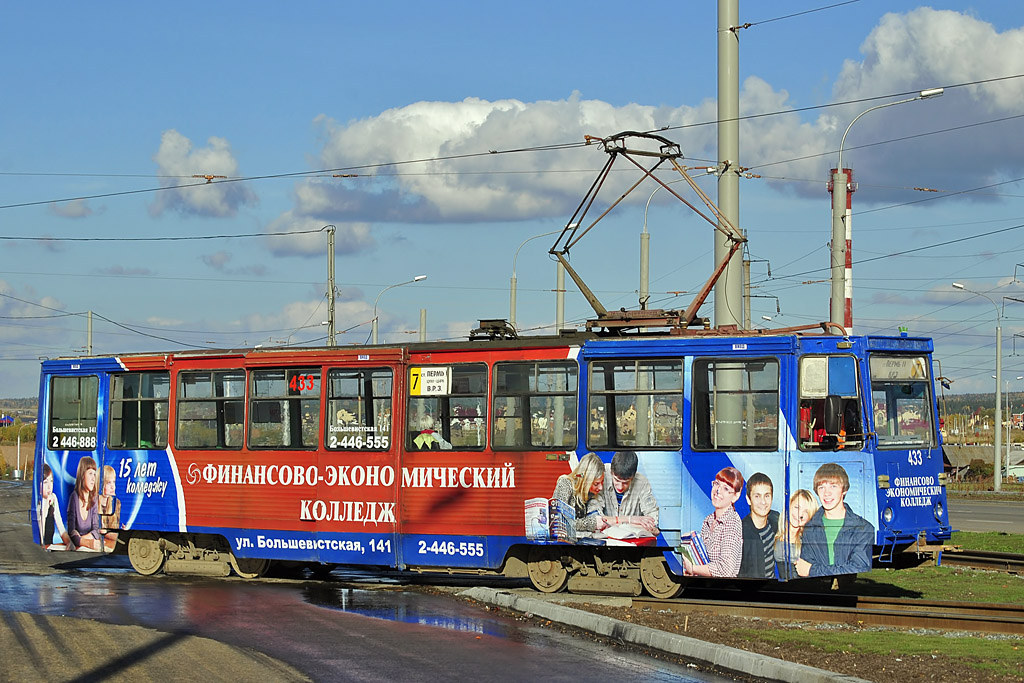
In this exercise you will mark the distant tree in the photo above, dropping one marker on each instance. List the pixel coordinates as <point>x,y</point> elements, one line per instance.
<point>980,469</point>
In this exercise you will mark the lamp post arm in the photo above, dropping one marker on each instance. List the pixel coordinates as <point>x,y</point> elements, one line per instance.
<point>513,283</point>
<point>373,332</point>
<point>880,106</point>
<point>922,95</point>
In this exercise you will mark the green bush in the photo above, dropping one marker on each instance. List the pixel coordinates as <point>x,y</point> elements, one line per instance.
<point>979,469</point>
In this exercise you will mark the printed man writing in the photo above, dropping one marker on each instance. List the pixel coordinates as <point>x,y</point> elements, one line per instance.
<point>627,495</point>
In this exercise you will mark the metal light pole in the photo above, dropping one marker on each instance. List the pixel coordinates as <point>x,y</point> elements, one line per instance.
<point>418,278</point>
<point>512,285</point>
<point>17,472</point>
<point>645,251</point>
<point>1009,421</point>
<point>998,484</point>
<point>842,291</point>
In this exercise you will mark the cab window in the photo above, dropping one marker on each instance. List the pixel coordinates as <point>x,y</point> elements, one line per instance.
<point>830,405</point>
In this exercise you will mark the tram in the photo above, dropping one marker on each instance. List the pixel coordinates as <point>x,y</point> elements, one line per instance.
<point>598,460</point>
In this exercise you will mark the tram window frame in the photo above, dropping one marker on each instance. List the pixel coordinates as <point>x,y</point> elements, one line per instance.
<point>821,395</point>
<point>704,428</point>
<point>288,397</point>
<point>531,388</point>
<point>613,390</point>
<point>224,412</point>
<point>891,382</point>
<point>146,413</point>
<point>370,429</point>
<point>74,413</point>
<point>438,410</point>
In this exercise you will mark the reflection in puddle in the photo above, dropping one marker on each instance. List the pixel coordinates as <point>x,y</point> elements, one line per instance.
<point>403,607</point>
<point>237,612</point>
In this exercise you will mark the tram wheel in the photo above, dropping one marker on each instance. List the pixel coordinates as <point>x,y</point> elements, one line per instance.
<point>547,573</point>
<point>144,553</point>
<point>657,578</point>
<point>249,567</point>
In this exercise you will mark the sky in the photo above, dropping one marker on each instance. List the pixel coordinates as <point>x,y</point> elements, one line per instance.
<point>439,138</point>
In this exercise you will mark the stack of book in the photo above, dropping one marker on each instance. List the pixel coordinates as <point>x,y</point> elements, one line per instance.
<point>691,546</point>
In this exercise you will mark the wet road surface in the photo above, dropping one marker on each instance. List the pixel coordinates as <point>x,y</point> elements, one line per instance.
<point>328,631</point>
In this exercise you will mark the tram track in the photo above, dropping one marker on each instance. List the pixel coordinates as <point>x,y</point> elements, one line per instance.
<point>984,559</point>
<point>856,611</point>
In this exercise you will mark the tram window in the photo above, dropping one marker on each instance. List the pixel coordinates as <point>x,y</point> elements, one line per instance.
<point>447,407</point>
<point>830,405</point>
<point>901,401</point>
<point>635,404</point>
<point>73,411</point>
<point>359,409</point>
<point>210,409</point>
<point>138,410</point>
<point>534,405</point>
<point>284,408</point>
<point>736,404</point>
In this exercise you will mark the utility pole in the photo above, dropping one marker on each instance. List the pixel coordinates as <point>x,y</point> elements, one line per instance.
<point>729,288</point>
<point>330,285</point>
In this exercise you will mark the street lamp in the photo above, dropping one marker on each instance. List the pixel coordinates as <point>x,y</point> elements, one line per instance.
<point>645,250</point>
<point>418,278</point>
<point>17,472</point>
<point>1009,422</point>
<point>998,484</point>
<point>841,230</point>
<point>512,284</point>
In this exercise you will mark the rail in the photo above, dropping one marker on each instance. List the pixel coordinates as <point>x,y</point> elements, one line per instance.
<point>857,611</point>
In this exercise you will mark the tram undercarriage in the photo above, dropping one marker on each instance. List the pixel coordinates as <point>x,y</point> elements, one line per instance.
<point>603,571</point>
<point>551,569</point>
<point>205,554</point>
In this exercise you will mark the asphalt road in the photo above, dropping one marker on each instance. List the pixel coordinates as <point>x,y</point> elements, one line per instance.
<point>987,515</point>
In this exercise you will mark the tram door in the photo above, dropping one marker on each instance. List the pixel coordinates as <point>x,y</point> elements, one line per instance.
<point>69,451</point>
<point>356,521</point>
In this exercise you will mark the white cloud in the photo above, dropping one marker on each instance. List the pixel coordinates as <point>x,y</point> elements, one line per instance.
<point>349,238</point>
<point>76,208</point>
<point>220,261</point>
<point>903,53</point>
<point>156,321</point>
<point>928,48</point>
<point>489,187</point>
<point>177,158</point>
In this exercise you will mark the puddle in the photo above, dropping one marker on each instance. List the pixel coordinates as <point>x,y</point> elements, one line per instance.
<point>408,608</point>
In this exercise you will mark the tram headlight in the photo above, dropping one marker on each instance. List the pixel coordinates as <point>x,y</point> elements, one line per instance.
<point>887,515</point>
<point>939,510</point>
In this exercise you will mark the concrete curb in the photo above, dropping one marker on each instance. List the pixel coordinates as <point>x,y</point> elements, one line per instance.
<point>712,654</point>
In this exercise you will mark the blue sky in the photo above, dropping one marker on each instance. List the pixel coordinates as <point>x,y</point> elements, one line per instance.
<point>115,101</point>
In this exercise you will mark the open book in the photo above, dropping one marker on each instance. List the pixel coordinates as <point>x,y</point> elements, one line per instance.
<point>623,531</point>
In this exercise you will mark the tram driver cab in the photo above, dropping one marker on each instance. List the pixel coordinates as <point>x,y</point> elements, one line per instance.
<point>830,406</point>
